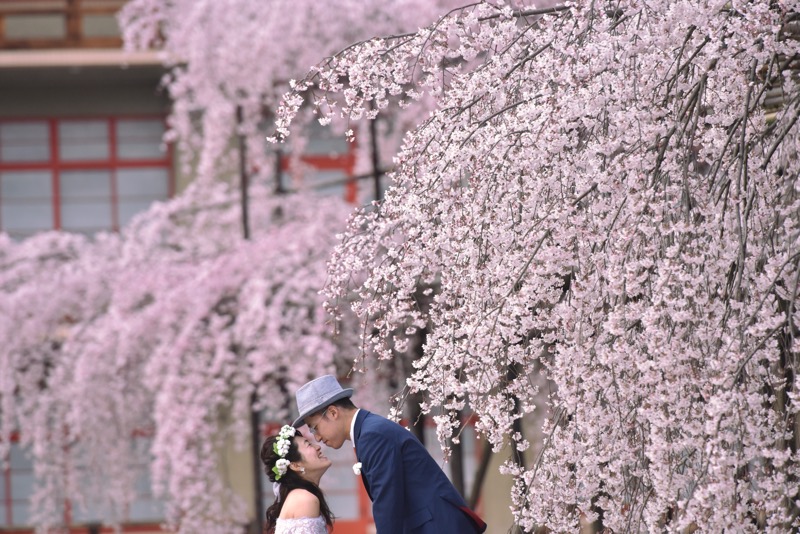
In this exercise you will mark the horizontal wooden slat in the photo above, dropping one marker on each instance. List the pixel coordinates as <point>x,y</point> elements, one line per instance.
<point>55,7</point>
<point>73,13</point>
<point>57,11</point>
<point>85,42</point>
<point>62,12</point>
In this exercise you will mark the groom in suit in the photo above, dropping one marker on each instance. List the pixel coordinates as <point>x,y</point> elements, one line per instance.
<point>409,492</point>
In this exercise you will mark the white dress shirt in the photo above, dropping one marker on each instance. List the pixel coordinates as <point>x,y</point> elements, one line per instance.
<point>353,428</point>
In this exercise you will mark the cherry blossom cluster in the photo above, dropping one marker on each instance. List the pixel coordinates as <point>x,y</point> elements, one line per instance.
<point>166,331</point>
<point>605,200</point>
<point>169,331</point>
<point>229,54</point>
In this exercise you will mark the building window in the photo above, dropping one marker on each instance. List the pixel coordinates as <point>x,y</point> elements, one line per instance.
<point>80,175</point>
<point>17,483</point>
<point>326,165</point>
<point>16,488</point>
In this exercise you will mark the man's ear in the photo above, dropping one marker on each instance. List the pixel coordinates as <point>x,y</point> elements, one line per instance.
<point>333,412</point>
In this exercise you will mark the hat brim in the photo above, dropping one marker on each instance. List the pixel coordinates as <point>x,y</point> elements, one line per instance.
<point>345,393</point>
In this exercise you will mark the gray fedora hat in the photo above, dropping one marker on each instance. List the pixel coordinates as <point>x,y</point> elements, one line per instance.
<point>316,395</point>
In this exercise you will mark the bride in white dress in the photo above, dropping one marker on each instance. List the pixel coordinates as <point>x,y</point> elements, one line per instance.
<point>295,465</point>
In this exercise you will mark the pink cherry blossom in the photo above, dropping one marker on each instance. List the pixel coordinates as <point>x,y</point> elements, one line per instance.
<point>603,205</point>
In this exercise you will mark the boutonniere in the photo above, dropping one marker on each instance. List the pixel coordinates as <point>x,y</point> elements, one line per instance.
<point>357,468</point>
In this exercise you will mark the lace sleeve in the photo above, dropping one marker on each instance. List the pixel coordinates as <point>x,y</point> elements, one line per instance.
<point>302,525</point>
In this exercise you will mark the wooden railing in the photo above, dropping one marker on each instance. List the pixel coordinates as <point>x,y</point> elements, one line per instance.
<point>37,24</point>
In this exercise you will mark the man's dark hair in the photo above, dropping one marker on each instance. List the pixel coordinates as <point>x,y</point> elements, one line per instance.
<point>344,403</point>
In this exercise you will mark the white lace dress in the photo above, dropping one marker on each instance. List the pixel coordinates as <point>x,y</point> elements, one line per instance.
<point>301,525</point>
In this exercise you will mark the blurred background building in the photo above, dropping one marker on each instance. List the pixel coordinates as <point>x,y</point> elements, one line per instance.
<point>80,120</point>
<point>80,150</point>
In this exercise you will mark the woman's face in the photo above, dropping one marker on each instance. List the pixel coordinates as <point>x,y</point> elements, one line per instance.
<point>313,460</point>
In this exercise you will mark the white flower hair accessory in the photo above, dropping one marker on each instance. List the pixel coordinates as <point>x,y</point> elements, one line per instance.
<point>357,468</point>
<point>281,448</point>
<point>280,468</point>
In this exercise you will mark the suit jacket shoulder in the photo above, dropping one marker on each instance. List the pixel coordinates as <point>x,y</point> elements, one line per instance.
<point>369,423</point>
<point>407,487</point>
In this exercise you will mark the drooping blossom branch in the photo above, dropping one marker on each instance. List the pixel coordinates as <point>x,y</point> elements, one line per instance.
<point>164,332</point>
<point>606,200</point>
<point>167,330</point>
<point>224,54</point>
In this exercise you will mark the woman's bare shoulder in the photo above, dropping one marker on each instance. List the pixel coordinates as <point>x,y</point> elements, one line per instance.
<point>300,503</point>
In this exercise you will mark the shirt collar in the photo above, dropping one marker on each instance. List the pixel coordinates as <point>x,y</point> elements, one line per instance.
<point>353,428</point>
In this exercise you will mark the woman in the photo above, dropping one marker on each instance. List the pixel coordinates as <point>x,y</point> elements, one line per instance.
<point>295,467</point>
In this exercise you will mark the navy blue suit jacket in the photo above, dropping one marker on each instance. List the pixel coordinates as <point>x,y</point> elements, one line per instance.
<point>409,491</point>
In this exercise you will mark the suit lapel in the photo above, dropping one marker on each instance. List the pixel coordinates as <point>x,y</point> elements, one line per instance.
<point>360,416</point>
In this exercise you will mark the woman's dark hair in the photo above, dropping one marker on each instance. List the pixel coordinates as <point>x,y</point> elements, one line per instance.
<point>289,481</point>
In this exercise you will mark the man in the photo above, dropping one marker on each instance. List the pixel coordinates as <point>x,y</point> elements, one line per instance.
<point>408,490</point>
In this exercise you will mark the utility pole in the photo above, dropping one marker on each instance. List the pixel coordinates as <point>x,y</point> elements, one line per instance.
<point>255,423</point>
<point>375,156</point>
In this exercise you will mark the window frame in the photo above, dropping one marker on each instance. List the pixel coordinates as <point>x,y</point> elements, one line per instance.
<point>70,525</point>
<point>55,165</point>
